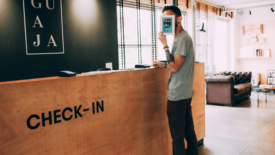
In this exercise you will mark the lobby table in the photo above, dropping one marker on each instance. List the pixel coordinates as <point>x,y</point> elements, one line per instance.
<point>100,113</point>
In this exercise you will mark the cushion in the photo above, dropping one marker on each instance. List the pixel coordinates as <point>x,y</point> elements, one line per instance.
<point>220,73</point>
<point>216,74</point>
<point>220,78</point>
<point>239,88</point>
<point>242,77</point>
<point>239,77</point>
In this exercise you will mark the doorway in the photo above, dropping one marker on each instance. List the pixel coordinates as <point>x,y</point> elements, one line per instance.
<point>221,52</point>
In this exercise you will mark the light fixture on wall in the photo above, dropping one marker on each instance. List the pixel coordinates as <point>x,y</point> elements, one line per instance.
<point>85,10</point>
<point>227,14</point>
<point>272,9</point>
<point>250,12</point>
<point>202,29</point>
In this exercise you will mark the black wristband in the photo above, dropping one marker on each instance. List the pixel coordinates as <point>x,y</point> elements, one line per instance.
<point>165,47</point>
<point>165,65</point>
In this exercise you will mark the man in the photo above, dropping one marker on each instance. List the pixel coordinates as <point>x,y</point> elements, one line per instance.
<point>180,86</point>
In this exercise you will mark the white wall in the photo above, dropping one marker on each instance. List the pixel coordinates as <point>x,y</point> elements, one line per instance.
<point>259,16</point>
<point>234,43</point>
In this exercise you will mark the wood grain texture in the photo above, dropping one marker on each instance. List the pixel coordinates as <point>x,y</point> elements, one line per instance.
<point>134,120</point>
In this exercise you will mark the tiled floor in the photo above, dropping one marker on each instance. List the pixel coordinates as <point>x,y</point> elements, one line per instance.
<point>241,130</point>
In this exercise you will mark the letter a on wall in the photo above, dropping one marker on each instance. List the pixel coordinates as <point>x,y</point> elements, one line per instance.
<point>43,27</point>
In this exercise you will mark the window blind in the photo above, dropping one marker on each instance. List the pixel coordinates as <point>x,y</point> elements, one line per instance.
<point>184,4</point>
<point>205,41</point>
<point>136,32</point>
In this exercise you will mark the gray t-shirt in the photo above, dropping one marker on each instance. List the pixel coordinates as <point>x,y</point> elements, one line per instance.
<point>180,84</point>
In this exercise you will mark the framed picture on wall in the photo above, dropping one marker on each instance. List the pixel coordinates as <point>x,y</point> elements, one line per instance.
<point>271,74</point>
<point>271,81</point>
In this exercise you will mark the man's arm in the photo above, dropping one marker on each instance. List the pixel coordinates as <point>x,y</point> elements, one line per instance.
<point>174,63</point>
<point>172,66</point>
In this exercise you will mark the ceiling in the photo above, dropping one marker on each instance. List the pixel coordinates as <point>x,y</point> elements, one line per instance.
<point>236,2</point>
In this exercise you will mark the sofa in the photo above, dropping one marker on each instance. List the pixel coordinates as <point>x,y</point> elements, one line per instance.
<point>228,88</point>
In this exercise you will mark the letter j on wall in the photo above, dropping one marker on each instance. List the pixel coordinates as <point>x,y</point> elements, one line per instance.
<point>43,27</point>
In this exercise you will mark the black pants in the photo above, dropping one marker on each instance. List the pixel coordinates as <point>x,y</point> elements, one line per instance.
<point>181,126</point>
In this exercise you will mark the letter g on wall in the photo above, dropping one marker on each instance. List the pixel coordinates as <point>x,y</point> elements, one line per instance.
<point>40,4</point>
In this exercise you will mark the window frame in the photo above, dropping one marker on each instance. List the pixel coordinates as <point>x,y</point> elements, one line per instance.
<point>122,46</point>
<point>139,46</point>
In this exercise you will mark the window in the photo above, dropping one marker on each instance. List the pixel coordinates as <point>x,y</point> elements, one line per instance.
<point>205,18</point>
<point>138,27</point>
<point>136,33</point>
<point>212,44</point>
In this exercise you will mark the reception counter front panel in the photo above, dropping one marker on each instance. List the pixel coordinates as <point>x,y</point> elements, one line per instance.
<point>115,113</point>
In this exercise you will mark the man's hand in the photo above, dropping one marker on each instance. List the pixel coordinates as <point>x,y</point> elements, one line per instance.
<point>163,39</point>
<point>158,64</point>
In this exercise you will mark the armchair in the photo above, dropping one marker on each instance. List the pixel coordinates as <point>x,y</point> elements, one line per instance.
<point>229,88</point>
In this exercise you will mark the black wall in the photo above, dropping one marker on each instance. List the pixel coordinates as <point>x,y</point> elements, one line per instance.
<point>89,42</point>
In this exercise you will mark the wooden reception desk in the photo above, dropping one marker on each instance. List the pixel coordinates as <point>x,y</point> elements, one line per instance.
<point>118,113</point>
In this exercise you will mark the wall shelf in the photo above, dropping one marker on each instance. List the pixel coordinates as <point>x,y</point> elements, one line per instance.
<point>255,58</point>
